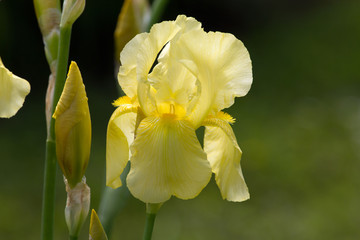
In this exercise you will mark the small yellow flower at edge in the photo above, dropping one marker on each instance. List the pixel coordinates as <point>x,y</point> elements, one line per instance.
<point>73,128</point>
<point>196,75</point>
<point>13,91</point>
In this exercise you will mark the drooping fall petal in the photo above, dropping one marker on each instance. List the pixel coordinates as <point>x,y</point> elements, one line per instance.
<point>13,91</point>
<point>167,159</point>
<point>73,127</point>
<point>120,134</point>
<point>224,156</point>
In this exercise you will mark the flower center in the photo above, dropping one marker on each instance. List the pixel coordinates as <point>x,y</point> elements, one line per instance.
<point>171,110</point>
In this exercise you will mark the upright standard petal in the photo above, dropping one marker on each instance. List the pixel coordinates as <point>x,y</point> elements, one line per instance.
<point>160,34</point>
<point>222,65</point>
<point>127,72</point>
<point>224,156</point>
<point>175,85</point>
<point>73,127</point>
<point>131,21</point>
<point>120,134</point>
<point>13,91</point>
<point>167,159</point>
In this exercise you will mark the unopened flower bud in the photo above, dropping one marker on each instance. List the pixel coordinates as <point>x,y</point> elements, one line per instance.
<point>48,13</point>
<point>133,19</point>
<point>96,231</point>
<point>72,9</point>
<point>73,128</point>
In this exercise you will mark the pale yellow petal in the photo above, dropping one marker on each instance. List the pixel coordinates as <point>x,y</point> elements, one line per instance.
<point>127,72</point>
<point>174,85</point>
<point>222,65</point>
<point>167,160</point>
<point>130,22</point>
<point>187,23</point>
<point>120,134</point>
<point>13,91</point>
<point>159,35</point>
<point>73,127</point>
<point>224,156</point>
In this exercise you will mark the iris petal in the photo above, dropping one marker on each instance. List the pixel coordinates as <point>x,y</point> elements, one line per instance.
<point>224,156</point>
<point>13,91</point>
<point>222,65</point>
<point>127,72</point>
<point>167,159</point>
<point>159,35</point>
<point>120,134</point>
<point>174,84</point>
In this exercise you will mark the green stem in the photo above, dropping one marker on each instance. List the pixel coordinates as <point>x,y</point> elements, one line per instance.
<point>73,238</point>
<point>157,10</point>
<point>62,65</point>
<point>149,225</point>
<point>48,192</point>
<point>47,220</point>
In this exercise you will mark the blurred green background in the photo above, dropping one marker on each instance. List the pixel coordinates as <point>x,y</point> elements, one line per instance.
<point>299,126</point>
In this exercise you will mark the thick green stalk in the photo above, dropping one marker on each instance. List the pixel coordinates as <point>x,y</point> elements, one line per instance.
<point>62,65</point>
<point>47,221</point>
<point>48,192</point>
<point>73,237</point>
<point>149,225</point>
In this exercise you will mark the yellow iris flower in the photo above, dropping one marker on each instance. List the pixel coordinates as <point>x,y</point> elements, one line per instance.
<point>179,78</point>
<point>13,91</point>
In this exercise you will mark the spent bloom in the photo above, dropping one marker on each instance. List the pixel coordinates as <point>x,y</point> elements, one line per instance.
<point>178,78</point>
<point>13,91</point>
